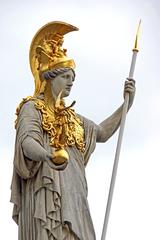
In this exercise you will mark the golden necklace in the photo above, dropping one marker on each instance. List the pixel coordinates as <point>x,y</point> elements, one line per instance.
<point>63,126</point>
<point>61,123</point>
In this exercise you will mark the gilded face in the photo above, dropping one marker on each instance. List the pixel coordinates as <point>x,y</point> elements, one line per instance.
<point>62,82</point>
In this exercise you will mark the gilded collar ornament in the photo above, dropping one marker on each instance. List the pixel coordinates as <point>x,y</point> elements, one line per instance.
<point>63,126</point>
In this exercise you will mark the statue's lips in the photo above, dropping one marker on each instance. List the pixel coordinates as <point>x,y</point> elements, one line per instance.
<point>68,88</point>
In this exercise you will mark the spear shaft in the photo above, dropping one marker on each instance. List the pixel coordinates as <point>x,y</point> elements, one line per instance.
<point>119,143</point>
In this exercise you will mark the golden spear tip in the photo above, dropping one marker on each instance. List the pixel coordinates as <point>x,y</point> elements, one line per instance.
<point>137,36</point>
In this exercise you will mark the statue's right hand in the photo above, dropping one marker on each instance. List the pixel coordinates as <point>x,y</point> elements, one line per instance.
<point>51,163</point>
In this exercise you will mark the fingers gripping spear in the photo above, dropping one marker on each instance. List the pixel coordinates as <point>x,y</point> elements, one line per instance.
<point>117,154</point>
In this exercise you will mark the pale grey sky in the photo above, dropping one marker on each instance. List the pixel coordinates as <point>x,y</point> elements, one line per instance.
<point>102,52</point>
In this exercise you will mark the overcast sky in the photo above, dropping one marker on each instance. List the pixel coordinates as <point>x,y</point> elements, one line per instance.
<point>102,50</point>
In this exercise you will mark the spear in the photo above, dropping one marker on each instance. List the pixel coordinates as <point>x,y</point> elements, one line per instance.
<point>119,143</point>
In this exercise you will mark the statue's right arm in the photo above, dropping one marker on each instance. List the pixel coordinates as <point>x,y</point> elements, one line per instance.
<point>34,151</point>
<point>30,136</point>
<point>29,126</point>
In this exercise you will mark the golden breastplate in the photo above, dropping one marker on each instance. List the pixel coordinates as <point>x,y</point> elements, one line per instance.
<point>62,125</point>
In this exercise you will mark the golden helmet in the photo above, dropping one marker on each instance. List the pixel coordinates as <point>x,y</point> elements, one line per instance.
<point>46,52</point>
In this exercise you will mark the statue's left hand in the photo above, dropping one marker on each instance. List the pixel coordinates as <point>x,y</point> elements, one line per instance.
<point>129,87</point>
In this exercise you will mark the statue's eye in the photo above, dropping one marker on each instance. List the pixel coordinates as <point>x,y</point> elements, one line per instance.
<point>68,76</point>
<point>63,76</point>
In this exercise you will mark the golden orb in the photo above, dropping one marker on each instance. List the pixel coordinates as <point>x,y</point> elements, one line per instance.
<point>60,156</point>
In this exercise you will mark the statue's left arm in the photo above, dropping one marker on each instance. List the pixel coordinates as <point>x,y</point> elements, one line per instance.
<point>109,126</point>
